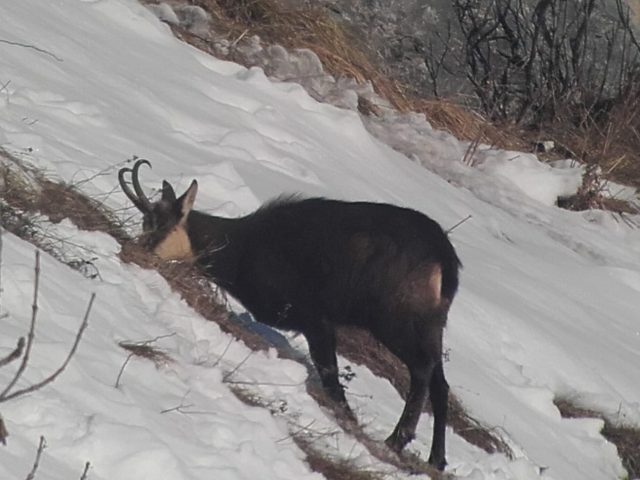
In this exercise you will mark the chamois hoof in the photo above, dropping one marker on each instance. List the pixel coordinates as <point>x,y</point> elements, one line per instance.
<point>398,440</point>
<point>439,463</point>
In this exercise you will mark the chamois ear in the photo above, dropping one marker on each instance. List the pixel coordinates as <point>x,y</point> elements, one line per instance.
<point>187,199</point>
<point>167,192</point>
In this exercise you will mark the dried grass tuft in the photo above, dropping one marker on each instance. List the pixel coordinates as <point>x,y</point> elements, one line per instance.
<point>144,350</point>
<point>26,190</point>
<point>465,124</point>
<point>197,290</point>
<point>333,468</point>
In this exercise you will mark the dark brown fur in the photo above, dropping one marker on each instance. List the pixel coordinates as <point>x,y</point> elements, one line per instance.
<point>312,264</point>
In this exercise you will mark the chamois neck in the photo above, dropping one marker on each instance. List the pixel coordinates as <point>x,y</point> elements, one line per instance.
<point>209,234</point>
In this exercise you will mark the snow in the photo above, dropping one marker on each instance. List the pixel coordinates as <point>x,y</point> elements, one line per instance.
<point>548,304</point>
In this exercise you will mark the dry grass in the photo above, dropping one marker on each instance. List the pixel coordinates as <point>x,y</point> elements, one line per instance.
<point>594,194</point>
<point>341,52</point>
<point>333,468</point>
<point>610,139</point>
<point>625,438</point>
<point>147,351</point>
<point>26,190</point>
<point>465,124</point>
<point>329,466</point>
<point>198,291</point>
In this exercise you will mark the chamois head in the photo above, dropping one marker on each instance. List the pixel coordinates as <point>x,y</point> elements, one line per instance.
<point>164,222</point>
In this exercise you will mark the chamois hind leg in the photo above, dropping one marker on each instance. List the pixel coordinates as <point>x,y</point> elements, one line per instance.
<point>421,350</point>
<point>321,338</point>
<point>405,430</point>
<point>439,395</point>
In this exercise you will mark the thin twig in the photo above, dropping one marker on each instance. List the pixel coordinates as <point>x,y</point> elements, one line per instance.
<point>1,235</point>
<point>469,158</point>
<point>17,353</point>
<point>223,353</point>
<point>153,340</point>
<point>5,85</point>
<point>3,431</point>
<point>240,37</point>
<point>36,462</point>
<point>117,385</point>
<point>259,384</point>
<point>34,312</point>
<point>183,406</point>
<point>301,428</point>
<point>26,45</point>
<point>86,471</point>
<point>468,217</point>
<point>54,375</point>
<point>235,369</point>
<point>179,408</point>
<point>127,346</point>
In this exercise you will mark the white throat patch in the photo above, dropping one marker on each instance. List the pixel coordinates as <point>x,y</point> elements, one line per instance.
<point>175,246</point>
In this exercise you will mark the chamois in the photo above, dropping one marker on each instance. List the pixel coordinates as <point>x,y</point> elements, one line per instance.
<point>312,264</point>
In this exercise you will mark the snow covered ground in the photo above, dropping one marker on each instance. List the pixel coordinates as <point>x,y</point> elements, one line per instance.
<point>548,305</point>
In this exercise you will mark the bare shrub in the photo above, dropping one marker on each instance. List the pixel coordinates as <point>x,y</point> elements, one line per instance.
<point>23,351</point>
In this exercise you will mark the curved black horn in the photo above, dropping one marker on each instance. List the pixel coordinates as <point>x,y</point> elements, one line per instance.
<point>139,199</point>
<point>144,201</point>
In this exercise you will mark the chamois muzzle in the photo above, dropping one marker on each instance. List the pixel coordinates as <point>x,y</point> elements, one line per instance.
<point>138,198</point>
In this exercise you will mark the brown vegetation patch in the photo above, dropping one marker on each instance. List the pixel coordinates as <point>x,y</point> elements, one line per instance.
<point>593,193</point>
<point>608,138</point>
<point>29,191</point>
<point>625,438</point>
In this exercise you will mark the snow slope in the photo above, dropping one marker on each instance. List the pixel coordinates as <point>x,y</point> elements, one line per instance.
<point>548,305</point>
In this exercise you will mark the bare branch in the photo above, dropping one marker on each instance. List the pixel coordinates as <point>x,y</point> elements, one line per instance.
<point>229,374</point>
<point>468,217</point>
<point>17,353</point>
<point>86,471</point>
<point>142,349</point>
<point>3,431</point>
<point>124,365</point>
<point>26,45</point>
<point>34,312</point>
<point>54,375</point>
<point>1,234</point>
<point>36,462</point>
